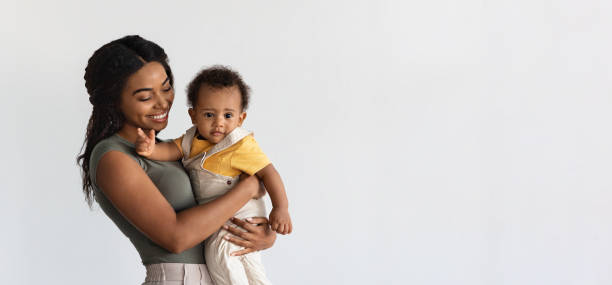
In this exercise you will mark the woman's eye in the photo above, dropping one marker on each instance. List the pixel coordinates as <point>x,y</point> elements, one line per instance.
<point>208,115</point>
<point>228,115</point>
<point>168,89</point>
<point>144,99</point>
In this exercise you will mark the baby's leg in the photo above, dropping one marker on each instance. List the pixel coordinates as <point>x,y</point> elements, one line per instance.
<point>254,269</point>
<point>252,262</point>
<point>223,268</point>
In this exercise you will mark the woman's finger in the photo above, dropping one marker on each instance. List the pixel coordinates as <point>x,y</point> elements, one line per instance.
<point>238,241</point>
<point>242,252</point>
<point>238,232</point>
<point>257,220</point>
<point>248,226</point>
<point>239,222</point>
<point>259,236</point>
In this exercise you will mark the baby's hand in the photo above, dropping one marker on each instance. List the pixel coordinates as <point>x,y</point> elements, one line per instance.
<point>280,221</point>
<point>145,144</point>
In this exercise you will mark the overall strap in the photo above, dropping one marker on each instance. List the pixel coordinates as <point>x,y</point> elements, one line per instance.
<point>187,140</point>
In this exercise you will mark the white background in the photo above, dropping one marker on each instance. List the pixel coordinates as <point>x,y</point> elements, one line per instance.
<point>421,142</point>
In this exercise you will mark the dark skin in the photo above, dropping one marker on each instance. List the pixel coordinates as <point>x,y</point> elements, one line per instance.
<point>145,102</point>
<point>218,112</point>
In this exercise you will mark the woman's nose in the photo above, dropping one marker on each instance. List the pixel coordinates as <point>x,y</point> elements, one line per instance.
<point>161,103</point>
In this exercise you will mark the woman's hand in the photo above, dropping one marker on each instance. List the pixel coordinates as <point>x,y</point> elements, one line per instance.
<point>258,235</point>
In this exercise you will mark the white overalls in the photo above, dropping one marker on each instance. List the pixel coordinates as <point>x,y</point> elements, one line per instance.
<point>207,186</point>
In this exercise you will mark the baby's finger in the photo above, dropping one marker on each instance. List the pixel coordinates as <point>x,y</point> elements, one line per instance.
<point>152,135</point>
<point>141,134</point>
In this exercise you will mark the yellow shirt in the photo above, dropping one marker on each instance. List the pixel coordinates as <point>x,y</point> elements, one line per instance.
<point>243,156</point>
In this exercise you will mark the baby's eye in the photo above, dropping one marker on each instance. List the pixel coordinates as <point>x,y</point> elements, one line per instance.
<point>228,115</point>
<point>209,115</point>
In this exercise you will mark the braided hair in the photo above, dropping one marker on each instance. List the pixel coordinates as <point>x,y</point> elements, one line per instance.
<point>105,76</point>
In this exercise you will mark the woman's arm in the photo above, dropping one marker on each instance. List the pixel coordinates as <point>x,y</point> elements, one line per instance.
<point>131,191</point>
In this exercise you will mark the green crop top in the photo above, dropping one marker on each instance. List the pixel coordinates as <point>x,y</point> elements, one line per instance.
<point>173,183</point>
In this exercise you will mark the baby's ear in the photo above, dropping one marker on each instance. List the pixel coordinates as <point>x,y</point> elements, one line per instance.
<point>192,114</point>
<point>241,118</point>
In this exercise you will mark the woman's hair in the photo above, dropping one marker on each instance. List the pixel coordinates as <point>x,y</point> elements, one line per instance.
<point>105,76</point>
<point>218,76</point>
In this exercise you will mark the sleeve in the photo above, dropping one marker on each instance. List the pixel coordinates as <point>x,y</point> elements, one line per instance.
<point>178,142</point>
<point>248,157</point>
<point>104,147</point>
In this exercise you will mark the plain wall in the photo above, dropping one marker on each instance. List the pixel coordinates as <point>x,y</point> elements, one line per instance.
<point>421,142</point>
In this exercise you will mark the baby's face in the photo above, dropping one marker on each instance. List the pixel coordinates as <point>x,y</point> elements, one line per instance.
<point>217,112</point>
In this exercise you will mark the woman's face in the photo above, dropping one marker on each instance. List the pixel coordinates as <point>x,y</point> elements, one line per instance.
<point>146,99</point>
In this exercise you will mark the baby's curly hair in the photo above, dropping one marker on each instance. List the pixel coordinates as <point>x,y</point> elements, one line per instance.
<point>218,76</point>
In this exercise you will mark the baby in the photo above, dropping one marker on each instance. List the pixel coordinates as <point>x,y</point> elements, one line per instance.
<point>215,151</point>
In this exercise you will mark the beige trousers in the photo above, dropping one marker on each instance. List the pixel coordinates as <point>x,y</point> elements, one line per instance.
<point>232,270</point>
<point>177,274</point>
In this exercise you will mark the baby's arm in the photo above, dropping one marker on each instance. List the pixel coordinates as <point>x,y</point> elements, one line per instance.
<point>279,216</point>
<point>165,151</point>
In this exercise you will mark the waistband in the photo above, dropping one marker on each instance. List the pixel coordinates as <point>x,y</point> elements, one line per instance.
<point>188,273</point>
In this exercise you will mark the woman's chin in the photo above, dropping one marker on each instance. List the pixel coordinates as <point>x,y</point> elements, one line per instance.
<point>158,126</point>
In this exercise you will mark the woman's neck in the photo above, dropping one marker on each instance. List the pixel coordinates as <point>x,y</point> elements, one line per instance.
<point>129,133</point>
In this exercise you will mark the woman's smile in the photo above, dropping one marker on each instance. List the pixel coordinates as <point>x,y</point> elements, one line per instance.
<point>159,118</point>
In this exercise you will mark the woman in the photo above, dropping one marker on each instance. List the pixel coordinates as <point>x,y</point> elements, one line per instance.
<point>130,86</point>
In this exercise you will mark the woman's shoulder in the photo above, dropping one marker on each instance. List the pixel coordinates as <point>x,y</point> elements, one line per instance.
<point>112,143</point>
